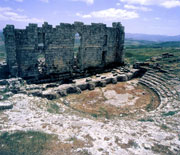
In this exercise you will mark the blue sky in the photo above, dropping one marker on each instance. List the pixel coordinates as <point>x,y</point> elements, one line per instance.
<point>138,16</point>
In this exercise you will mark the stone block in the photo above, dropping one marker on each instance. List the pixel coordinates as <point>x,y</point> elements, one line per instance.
<point>83,86</point>
<point>91,86</point>
<point>122,78</point>
<point>88,79</point>
<point>35,93</point>
<point>114,80</point>
<point>52,85</point>
<point>129,75</point>
<point>97,75</point>
<point>3,82</point>
<point>103,77</point>
<point>50,95</point>
<point>103,83</point>
<point>73,90</point>
<point>62,92</point>
<point>108,80</point>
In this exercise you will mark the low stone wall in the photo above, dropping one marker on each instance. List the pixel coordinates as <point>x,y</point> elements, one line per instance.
<point>81,85</point>
<point>55,90</point>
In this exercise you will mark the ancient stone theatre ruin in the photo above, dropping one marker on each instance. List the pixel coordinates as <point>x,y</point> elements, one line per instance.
<point>46,52</point>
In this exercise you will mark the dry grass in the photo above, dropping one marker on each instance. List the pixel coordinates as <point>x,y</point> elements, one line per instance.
<point>64,148</point>
<point>32,142</point>
<point>93,102</point>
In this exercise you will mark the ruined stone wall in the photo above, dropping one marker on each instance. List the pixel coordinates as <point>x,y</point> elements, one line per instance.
<point>3,71</point>
<point>100,46</point>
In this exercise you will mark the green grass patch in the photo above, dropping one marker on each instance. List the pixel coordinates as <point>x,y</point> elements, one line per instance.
<point>150,107</point>
<point>146,120</point>
<point>170,113</point>
<point>72,139</point>
<point>94,115</point>
<point>164,127</point>
<point>161,149</point>
<point>53,108</point>
<point>104,113</point>
<point>101,113</point>
<point>134,54</point>
<point>23,143</point>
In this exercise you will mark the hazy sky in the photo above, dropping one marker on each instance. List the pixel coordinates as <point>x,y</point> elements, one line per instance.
<point>138,16</point>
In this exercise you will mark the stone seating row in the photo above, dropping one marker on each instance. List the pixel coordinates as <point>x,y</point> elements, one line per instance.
<point>165,91</point>
<point>167,83</point>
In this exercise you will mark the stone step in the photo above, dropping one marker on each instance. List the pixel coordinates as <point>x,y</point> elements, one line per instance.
<point>158,77</point>
<point>167,82</point>
<point>155,85</point>
<point>164,77</point>
<point>5,105</point>
<point>158,84</point>
<point>163,101</point>
<point>161,94</point>
<point>155,75</point>
<point>164,83</point>
<point>154,89</point>
<point>160,90</point>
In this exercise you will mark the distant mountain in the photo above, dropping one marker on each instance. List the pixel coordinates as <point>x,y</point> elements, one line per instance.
<point>155,38</point>
<point>134,44</point>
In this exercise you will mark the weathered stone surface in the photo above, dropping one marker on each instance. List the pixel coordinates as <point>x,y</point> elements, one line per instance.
<point>108,80</point>
<point>97,75</point>
<point>50,95</point>
<point>51,85</point>
<point>35,93</point>
<point>3,89</point>
<point>114,80</point>
<point>91,86</point>
<point>115,74</point>
<point>33,87</point>
<point>103,83</point>
<point>88,79</point>
<point>5,105</point>
<point>83,86</point>
<point>1,97</point>
<point>62,92</point>
<point>14,84</point>
<point>73,90</point>
<point>8,94</point>
<point>103,77</point>
<point>66,102</point>
<point>3,82</point>
<point>122,78</point>
<point>129,75</point>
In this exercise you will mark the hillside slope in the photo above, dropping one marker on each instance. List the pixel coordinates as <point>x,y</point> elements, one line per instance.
<point>156,38</point>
